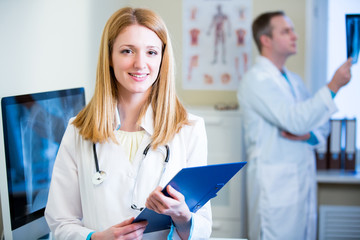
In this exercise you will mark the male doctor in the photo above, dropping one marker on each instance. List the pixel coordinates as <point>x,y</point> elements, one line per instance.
<point>282,124</point>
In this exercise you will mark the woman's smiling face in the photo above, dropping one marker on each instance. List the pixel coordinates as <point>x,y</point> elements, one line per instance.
<point>136,58</point>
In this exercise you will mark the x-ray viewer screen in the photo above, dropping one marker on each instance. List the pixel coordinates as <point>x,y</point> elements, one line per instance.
<point>353,36</point>
<point>33,128</point>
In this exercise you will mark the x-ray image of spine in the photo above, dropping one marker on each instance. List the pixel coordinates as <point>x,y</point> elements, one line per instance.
<point>218,22</point>
<point>41,124</point>
<point>353,36</point>
<point>41,133</point>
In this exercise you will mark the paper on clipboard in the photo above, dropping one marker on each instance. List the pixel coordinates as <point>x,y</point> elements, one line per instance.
<point>198,185</point>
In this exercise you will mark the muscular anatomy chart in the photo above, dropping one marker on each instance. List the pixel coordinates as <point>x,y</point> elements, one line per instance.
<point>216,43</point>
<point>219,23</point>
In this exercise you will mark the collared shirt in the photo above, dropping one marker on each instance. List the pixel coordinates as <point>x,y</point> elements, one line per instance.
<point>130,142</point>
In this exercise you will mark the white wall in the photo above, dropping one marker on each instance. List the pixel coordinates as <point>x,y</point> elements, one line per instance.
<point>50,45</point>
<point>171,12</point>
<point>327,45</point>
<point>349,94</point>
<point>43,46</point>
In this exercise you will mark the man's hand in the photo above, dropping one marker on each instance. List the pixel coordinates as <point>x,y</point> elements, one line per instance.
<point>341,77</point>
<point>295,137</point>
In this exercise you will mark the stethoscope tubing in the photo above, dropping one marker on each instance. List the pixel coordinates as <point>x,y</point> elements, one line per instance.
<point>100,175</point>
<point>167,156</point>
<point>95,158</point>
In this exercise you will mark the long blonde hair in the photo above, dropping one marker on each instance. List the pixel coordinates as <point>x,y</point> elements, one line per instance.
<point>96,121</point>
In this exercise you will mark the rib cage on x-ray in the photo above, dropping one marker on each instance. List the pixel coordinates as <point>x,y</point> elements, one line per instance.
<point>33,126</point>
<point>41,128</point>
<point>353,36</point>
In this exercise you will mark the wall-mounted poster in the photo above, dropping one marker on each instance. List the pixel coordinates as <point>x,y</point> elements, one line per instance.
<point>216,43</point>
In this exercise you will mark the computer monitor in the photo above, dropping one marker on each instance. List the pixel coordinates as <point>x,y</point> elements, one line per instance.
<point>33,126</point>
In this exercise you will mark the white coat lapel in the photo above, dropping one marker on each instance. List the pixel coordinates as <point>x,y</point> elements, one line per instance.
<point>279,79</point>
<point>296,89</point>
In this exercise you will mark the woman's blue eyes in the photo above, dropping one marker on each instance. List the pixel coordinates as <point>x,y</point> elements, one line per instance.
<point>129,51</point>
<point>126,51</point>
<point>152,53</point>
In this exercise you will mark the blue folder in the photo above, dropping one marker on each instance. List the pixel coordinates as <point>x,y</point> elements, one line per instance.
<point>198,185</point>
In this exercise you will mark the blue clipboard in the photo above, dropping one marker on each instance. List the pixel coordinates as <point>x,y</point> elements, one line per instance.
<point>198,185</point>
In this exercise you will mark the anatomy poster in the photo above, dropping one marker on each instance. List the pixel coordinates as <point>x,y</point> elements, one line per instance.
<point>216,43</point>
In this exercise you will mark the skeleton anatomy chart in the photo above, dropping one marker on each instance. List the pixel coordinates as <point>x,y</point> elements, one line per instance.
<point>216,43</point>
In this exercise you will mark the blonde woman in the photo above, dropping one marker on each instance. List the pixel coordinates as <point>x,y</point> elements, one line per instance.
<point>102,177</point>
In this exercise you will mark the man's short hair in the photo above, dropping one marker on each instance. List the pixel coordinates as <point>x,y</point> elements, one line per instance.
<point>261,26</point>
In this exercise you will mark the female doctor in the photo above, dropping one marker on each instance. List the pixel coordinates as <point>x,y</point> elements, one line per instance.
<point>102,176</point>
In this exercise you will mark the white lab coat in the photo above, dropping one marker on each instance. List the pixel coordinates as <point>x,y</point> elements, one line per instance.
<point>77,207</point>
<point>281,176</point>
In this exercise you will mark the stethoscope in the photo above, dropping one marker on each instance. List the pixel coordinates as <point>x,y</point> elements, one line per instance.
<point>99,176</point>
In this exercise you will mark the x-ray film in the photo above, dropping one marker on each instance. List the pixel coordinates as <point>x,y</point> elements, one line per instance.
<point>353,36</point>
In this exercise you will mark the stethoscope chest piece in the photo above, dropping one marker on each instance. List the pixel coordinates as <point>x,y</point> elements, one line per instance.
<point>98,177</point>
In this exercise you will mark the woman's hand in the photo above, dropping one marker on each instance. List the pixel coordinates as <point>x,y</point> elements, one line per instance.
<point>173,206</point>
<point>123,230</point>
